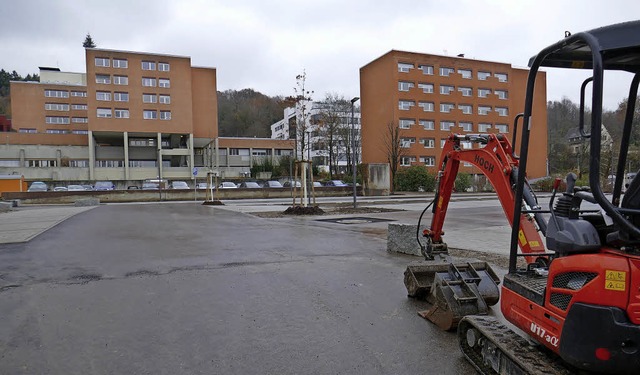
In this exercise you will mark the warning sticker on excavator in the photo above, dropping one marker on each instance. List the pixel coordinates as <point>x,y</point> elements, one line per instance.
<point>615,280</point>
<point>522,238</point>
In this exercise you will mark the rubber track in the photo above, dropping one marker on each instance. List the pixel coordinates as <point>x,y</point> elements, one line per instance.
<point>519,351</point>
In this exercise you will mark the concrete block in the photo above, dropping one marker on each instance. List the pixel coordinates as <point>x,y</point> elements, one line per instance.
<point>6,206</point>
<point>401,238</point>
<point>85,202</point>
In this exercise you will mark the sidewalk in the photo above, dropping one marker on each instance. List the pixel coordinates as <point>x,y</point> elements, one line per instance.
<point>24,223</point>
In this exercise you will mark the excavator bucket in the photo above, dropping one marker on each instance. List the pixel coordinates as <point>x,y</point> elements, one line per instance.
<point>453,290</point>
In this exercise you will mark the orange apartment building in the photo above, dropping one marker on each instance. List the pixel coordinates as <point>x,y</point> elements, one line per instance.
<point>131,116</point>
<point>429,97</point>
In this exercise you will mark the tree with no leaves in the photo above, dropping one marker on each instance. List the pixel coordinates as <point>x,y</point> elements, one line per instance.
<point>394,150</point>
<point>88,42</point>
<point>302,102</point>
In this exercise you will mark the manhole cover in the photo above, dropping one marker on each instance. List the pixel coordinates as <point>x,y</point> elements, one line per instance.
<point>354,220</point>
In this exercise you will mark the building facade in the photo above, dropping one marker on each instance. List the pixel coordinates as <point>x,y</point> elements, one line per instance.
<point>429,97</point>
<point>131,116</point>
<point>327,126</point>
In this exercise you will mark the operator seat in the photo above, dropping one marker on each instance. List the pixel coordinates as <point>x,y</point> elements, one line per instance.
<point>630,200</point>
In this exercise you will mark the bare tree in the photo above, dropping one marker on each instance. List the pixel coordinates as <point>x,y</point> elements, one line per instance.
<point>332,122</point>
<point>394,150</point>
<point>302,102</point>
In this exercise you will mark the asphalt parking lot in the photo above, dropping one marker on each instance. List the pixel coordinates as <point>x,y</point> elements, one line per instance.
<point>191,289</point>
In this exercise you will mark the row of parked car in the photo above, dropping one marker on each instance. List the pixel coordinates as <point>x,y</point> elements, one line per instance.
<point>182,185</point>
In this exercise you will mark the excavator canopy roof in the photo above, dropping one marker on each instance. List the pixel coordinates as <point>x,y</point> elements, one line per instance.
<point>618,44</point>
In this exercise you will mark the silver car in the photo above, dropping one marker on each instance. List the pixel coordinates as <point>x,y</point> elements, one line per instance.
<point>38,186</point>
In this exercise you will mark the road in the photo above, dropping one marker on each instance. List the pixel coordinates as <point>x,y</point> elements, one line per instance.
<point>189,289</point>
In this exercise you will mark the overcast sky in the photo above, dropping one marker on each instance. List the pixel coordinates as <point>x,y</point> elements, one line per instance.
<point>263,44</point>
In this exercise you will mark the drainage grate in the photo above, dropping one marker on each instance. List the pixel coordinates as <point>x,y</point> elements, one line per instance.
<point>354,220</point>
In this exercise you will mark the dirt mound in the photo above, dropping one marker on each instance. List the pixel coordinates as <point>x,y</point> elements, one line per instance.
<point>299,210</point>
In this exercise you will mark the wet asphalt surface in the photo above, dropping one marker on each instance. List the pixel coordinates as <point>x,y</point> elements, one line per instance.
<point>192,289</point>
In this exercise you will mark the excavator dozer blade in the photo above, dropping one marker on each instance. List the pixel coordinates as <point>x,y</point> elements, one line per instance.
<point>453,289</point>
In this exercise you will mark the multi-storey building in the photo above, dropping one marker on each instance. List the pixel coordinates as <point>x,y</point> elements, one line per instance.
<point>429,97</point>
<point>320,135</point>
<point>130,117</point>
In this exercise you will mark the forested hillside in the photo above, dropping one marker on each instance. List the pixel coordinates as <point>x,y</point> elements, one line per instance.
<point>5,78</point>
<point>247,113</point>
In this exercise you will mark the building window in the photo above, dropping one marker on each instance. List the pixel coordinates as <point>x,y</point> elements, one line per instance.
<point>502,94</point>
<point>102,61</point>
<point>466,126</point>
<point>81,163</point>
<point>427,88</point>
<point>405,105</point>
<point>103,78</point>
<point>404,67</point>
<point>483,128</point>
<point>426,69</point>
<point>120,80</point>
<point>428,161</point>
<point>502,128</point>
<point>406,123</point>
<point>56,94</point>
<point>502,111</point>
<point>446,89</point>
<point>407,142</point>
<point>164,82</point>
<point>428,124</point>
<point>426,106</point>
<point>121,113</point>
<point>428,142</point>
<point>57,120</point>
<point>80,131</point>
<point>443,141</point>
<point>446,107</point>
<point>82,94</point>
<point>165,99</point>
<point>482,76</point>
<point>148,65</point>
<point>41,163</point>
<point>483,93</point>
<point>502,77</point>
<point>465,73</point>
<point>103,95</point>
<point>406,161</point>
<point>445,72</point>
<point>163,67</point>
<point>405,86</point>
<point>56,106</point>
<point>10,163</point>
<point>149,98</point>
<point>483,110</point>
<point>120,63</point>
<point>466,145</point>
<point>447,125</point>
<point>149,82</point>
<point>467,109</point>
<point>121,96</point>
<point>149,114</point>
<point>27,130</point>
<point>104,112</point>
<point>466,91</point>
<point>80,120</point>
<point>165,115</point>
<point>109,163</point>
<point>79,107</point>
<point>57,131</point>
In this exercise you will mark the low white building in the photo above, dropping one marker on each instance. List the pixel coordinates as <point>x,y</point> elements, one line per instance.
<point>323,124</point>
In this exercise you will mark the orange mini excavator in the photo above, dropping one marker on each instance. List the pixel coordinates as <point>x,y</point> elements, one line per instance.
<point>578,298</point>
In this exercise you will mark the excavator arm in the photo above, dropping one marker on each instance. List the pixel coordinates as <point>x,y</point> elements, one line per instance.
<point>498,163</point>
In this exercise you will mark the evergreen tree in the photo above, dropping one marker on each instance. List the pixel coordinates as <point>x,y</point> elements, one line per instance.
<point>88,42</point>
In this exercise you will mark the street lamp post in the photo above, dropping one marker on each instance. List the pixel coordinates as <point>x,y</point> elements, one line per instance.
<point>353,149</point>
<point>310,169</point>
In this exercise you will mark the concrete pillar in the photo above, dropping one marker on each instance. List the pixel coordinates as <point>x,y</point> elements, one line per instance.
<point>58,158</point>
<point>22,158</point>
<point>191,152</point>
<point>250,157</point>
<point>126,156</point>
<point>92,156</point>
<point>160,156</point>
